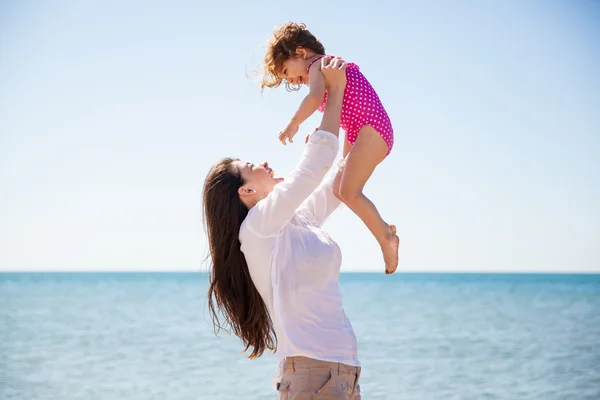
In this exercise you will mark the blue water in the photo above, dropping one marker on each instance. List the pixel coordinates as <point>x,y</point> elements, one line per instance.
<point>421,336</point>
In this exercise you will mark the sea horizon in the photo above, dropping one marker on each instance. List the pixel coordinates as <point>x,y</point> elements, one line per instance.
<point>406,272</point>
<point>345,276</point>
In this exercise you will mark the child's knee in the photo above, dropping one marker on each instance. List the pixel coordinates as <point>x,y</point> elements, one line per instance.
<point>348,194</point>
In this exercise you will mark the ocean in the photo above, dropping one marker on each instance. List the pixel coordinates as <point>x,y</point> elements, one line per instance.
<point>140,336</point>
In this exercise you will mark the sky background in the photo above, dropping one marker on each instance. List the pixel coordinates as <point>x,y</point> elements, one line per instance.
<point>112,112</point>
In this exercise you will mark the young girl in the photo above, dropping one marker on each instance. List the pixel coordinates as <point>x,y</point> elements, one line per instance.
<point>291,58</point>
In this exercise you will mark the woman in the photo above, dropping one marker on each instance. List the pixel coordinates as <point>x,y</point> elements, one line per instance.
<point>275,270</point>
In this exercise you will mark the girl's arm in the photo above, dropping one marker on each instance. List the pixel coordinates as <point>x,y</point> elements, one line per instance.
<point>271,214</point>
<point>313,99</point>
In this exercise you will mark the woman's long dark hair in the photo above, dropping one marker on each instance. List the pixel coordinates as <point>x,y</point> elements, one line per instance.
<point>231,290</point>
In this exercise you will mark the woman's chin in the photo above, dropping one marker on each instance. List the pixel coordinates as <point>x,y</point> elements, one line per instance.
<point>278,180</point>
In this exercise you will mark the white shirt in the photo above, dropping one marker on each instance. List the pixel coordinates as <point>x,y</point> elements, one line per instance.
<point>295,265</point>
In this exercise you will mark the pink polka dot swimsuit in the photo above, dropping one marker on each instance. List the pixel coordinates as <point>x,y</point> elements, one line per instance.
<point>361,106</point>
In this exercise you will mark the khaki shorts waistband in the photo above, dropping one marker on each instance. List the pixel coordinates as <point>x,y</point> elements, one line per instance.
<point>300,362</point>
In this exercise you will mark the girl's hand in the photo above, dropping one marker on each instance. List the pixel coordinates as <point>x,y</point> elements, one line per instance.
<point>288,133</point>
<point>334,72</point>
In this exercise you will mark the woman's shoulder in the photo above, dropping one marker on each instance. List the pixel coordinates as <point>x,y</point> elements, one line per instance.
<point>250,230</point>
<point>250,240</point>
<point>245,230</point>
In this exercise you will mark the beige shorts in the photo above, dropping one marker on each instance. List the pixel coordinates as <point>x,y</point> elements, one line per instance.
<point>306,378</point>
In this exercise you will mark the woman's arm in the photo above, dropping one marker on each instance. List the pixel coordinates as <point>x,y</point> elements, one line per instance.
<point>271,214</point>
<point>322,202</point>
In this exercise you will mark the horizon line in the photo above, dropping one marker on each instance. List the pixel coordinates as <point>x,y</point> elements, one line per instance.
<point>405,272</point>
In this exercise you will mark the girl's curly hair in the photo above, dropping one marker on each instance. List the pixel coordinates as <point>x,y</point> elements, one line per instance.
<point>282,46</point>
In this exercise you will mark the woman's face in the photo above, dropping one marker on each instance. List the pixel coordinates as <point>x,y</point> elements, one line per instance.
<point>259,181</point>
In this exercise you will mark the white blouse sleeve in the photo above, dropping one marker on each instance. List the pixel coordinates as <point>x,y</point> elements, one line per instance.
<point>272,213</point>
<point>322,202</point>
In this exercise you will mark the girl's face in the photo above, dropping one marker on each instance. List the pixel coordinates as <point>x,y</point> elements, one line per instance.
<point>294,71</point>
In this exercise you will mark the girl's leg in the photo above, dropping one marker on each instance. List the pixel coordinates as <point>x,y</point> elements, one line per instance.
<point>366,153</point>
<point>338,176</point>
<point>347,147</point>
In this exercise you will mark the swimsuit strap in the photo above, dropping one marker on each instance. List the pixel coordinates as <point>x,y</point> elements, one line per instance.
<point>312,62</point>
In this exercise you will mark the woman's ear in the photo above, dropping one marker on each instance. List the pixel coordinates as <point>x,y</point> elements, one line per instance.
<point>245,191</point>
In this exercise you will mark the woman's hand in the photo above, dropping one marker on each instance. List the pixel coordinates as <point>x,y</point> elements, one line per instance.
<point>308,136</point>
<point>334,73</point>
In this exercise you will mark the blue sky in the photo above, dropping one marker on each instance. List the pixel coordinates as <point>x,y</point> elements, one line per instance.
<point>111,114</point>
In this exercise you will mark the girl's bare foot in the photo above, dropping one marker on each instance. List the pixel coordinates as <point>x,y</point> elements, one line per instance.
<point>390,250</point>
